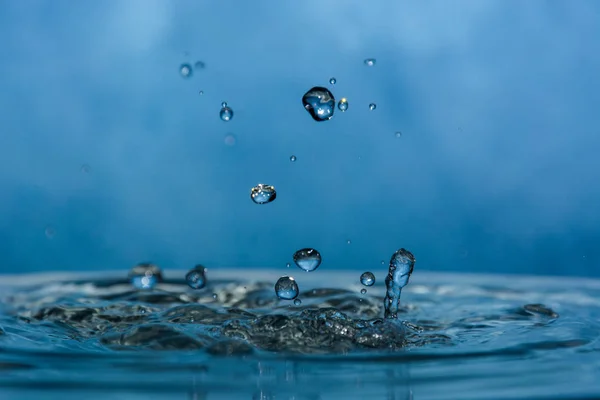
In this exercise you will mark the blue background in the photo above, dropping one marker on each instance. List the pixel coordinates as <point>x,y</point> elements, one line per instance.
<point>496,170</point>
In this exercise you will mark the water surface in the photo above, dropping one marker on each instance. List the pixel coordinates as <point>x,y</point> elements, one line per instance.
<point>456,337</point>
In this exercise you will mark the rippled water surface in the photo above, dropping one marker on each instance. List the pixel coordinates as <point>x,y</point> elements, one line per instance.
<point>456,337</point>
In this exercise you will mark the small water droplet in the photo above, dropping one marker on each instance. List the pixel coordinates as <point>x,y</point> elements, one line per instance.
<point>226,113</point>
<point>230,140</point>
<point>363,291</point>
<point>286,288</point>
<point>372,106</point>
<point>263,194</point>
<point>215,296</point>
<point>145,275</point>
<point>332,81</point>
<point>369,62</point>
<point>343,104</point>
<point>196,277</point>
<point>307,259</point>
<point>50,232</point>
<point>224,104</point>
<point>297,302</point>
<point>320,103</point>
<point>185,70</point>
<point>367,279</point>
<point>85,168</point>
<point>382,262</point>
<point>288,265</point>
<point>199,65</point>
<point>398,134</point>
<point>201,92</point>
<point>350,241</point>
<point>292,158</point>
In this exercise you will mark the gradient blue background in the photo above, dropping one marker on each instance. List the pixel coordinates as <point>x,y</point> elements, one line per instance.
<point>496,171</point>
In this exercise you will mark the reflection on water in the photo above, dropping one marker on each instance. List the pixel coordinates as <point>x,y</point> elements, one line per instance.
<point>235,336</point>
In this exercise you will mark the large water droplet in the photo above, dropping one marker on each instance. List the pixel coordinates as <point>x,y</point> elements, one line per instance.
<point>367,279</point>
<point>226,112</point>
<point>332,81</point>
<point>369,62</point>
<point>145,275</point>
<point>185,70</point>
<point>307,259</point>
<point>320,103</point>
<point>401,267</point>
<point>286,288</point>
<point>372,106</point>
<point>196,277</point>
<point>343,104</point>
<point>262,194</point>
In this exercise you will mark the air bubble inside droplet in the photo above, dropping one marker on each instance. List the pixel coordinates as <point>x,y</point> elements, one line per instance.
<point>307,259</point>
<point>367,279</point>
<point>286,288</point>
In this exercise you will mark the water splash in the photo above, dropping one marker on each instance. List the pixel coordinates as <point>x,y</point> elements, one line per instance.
<point>401,267</point>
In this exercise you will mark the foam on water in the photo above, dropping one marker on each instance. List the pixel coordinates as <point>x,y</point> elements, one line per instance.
<point>104,337</point>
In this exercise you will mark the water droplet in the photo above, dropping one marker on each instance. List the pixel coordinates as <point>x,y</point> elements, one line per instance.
<point>382,262</point>
<point>332,81</point>
<point>292,158</point>
<point>262,194</point>
<point>288,265</point>
<point>85,168</point>
<point>372,106</point>
<point>196,277</point>
<point>369,62</point>
<point>398,134</point>
<point>297,302</point>
<point>226,114</point>
<point>185,70</point>
<point>224,104</point>
<point>286,288</point>
<point>50,232</point>
<point>349,241</point>
<point>320,103</point>
<point>367,279</point>
<point>145,275</point>
<point>199,65</point>
<point>343,104</point>
<point>230,140</point>
<point>307,259</point>
<point>201,92</point>
<point>401,267</point>
<point>363,291</point>
<point>215,296</point>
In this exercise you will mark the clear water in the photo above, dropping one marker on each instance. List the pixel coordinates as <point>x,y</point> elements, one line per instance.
<point>456,337</point>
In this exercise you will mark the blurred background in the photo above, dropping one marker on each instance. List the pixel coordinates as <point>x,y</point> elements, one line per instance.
<point>480,156</point>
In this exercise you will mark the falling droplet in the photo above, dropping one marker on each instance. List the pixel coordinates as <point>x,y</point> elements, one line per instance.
<point>226,113</point>
<point>297,302</point>
<point>50,232</point>
<point>332,81</point>
<point>286,288</point>
<point>292,158</point>
<point>372,106</point>
<point>349,241</point>
<point>367,279</point>
<point>201,92</point>
<point>145,275</point>
<point>230,140</point>
<point>185,70</point>
<point>343,105</point>
<point>199,65</point>
<point>288,265</point>
<point>382,262</point>
<point>363,291</point>
<point>215,296</point>
<point>398,134</point>
<point>320,103</point>
<point>307,259</point>
<point>401,267</point>
<point>196,277</point>
<point>369,62</point>
<point>262,194</point>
